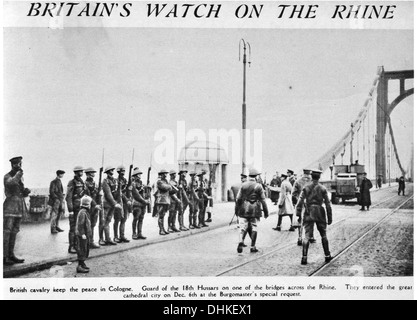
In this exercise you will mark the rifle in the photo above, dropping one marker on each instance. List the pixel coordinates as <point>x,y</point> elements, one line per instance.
<point>148,189</point>
<point>209,189</point>
<point>100,176</point>
<point>129,183</point>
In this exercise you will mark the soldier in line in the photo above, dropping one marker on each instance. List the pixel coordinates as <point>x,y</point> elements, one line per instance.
<point>295,195</point>
<point>111,193</point>
<point>76,189</point>
<point>194,201</point>
<point>285,207</point>
<point>291,177</point>
<point>202,195</point>
<point>314,194</point>
<point>162,200</point>
<point>176,204</point>
<point>56,201</point>
<point>14,209</point>
<point>183,196</point>
<point>139,205</point>
<point>249,206</point>
<point>124,200</point>
<point>83,232</point>
<point>209,201</point>
<point>95,206</point>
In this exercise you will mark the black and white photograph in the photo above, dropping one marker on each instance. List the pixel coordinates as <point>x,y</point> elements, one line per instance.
<point>208,150</point>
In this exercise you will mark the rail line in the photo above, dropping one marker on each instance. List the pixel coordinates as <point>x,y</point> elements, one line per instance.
<point>323,266</point>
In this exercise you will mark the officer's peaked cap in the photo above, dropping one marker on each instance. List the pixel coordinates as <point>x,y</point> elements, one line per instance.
<point>307,171</point>
<point>253,172</point>
<point>192,173</point>
<point>162,171</point>
<point>78,168</point>
<point>89,169</point>
<point>201,173</point>
<point>121,168</point>
<point>108,168</point>
<point>290,171</point>
<point>15,160</point>
<point>183,170</point>
<point>60,172</point>
<point>316,172</point>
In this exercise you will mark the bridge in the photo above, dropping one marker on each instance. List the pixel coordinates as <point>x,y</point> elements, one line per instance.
<point>370,140</point>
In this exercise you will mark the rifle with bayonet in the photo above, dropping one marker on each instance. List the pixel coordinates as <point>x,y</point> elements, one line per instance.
<point>100,176</point>
<point>129,183</point>
<point>148,188</point>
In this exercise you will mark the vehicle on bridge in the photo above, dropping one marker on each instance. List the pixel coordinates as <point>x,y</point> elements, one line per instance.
<point>346,182</point>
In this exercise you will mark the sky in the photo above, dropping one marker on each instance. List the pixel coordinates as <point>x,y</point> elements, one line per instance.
<point>69,93</point>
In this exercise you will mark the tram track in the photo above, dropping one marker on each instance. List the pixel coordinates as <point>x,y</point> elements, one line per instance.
<point>335,257</point>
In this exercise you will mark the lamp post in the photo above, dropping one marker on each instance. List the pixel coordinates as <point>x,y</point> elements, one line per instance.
<point>245,44</point>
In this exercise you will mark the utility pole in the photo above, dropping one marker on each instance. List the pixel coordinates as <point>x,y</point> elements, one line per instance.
<point>245,44</point>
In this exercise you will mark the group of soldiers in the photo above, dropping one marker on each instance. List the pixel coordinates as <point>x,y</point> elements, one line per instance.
<point>306,196</point>
<point>112,199</point>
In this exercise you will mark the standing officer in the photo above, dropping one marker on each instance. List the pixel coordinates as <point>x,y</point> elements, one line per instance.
<point>56,201</point>
<point>176,204</point>
<point>126,203</point>
<point>139,205</point>
<point>111,207</point>
<point>76,189</point>
<point>162,200</point>
<point>203,202</point>
<point>295,195</point>
<point>14,209</point>
<point>194,201</point>
<point>249,206</point>
<point>314,194</point>
<point>95,206</point>
<point>285,203</point>
<point>185,201</point>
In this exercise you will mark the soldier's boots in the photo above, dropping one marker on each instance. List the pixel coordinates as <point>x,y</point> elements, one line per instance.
<point>312,240</point>
<point>94,245</point>
<point>325,244</point>
<point>11,250</point>
<point>81,269</point>
<point>299,242</point>
<point>277,228</point>
<point>6,257</point>
<point>254,236</point>
<point>71,247</point>
<point>59,229</point>
<point>240,247</point>
<point>304,260</point>
<point>305,251</point>
<point>253,250</point>
<point>208,217</point>
<point>162,230</point>
<point>291,229</point>
<point>54,231</point>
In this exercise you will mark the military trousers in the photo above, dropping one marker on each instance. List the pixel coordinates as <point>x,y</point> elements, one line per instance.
<point>174,208</point>
<point>108,213</point>
<point>83,248</point>
<point>72,219</point>
<point>193,213</point>
<point>202,206</point>
<point>162,209</point>
<point>120,217</point>
<point>95,213</point>
<point>57,212</point>
<point>11,226</point>
<point>184,206</point>
<point>137,223</point>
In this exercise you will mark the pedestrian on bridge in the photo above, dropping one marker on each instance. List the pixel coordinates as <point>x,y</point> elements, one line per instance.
<point>314,194</point>
<point>285,206</point>
<point>401,186</point>
<point>365,194</point>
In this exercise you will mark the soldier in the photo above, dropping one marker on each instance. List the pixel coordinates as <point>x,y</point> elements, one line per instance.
<point>162,200</point>
<point>95,206</point>
<point>76,189</point>
<point>401,186</point>
<point>185,201</point>
<point>194,201</point>
<point>204,197</point>
<point>285,203</point>
<point>14,209</point>
<point>139,205</point>
<point>83,232</point>
<point>291,177</point>
<point>314,194</point>
<point>275,183</point>
<point>126,203</point>
<point>111,206</point>
<point>365,194</point>
<point>176,204</point>
<point>295,195</point>
<point>56,201</point>
<point>249,206</point>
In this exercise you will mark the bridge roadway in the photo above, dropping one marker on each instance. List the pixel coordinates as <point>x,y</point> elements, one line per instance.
<point>385,250</point>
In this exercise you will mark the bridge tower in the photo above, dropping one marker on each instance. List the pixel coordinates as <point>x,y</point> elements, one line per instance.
<point>384,109</point>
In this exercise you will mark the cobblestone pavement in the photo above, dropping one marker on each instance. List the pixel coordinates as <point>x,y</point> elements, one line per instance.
<point>387,251</point>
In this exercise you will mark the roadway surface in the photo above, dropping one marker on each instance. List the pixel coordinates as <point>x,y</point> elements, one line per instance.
<point>384,249</point>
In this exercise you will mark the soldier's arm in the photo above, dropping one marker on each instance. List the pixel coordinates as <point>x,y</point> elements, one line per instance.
<point>184,195</point>
<point>163,186</point>
<point>70,191</point>
<point>261,194</point>
<point>15,180</point>
<point>238,201</point>
<point>137,196</point>
<point>300,203</point>
<point>328,206</point>
<point>282,195</point>
<point>295,192</point>
<point>108,194</point>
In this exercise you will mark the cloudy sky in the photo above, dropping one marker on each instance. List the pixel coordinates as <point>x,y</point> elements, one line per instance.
<point>69,93</point>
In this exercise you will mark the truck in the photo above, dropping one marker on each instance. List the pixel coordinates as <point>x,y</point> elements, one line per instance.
<point>346,182</point>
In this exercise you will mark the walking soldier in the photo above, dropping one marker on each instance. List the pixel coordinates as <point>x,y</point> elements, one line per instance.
<point>126,203</point>
<point>95,206</point>
<point>203,202</point>
<point>139,205</point>
<point>194,201</point>
<point>56,201</point>
<point>285,207</point>
<point>162,200</point>
<point>250,203</point>
<point>185,201</point>
<point>110,205</point>
<point>314,194</point>
<point>14,209</point>
<point>76,189</point>
<point>176,204</point>
<point>83,232</point>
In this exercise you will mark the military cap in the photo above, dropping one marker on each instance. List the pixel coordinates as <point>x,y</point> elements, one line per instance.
<point>89,169</point>
<point>307,171</point>
<point>162,171</point>
<point>284,175</point>
<point>78,168</point>
<point>253,172</point>
<point>316,171</point>
<point>15,160</point>
<point>192,173</point>
<point>172,171</point>
<point>108,168</point>
<point>85,201</point>
<point>290,171</point>
<point>243,175</point>
<point>183,170</point>
<point>121,168</point>
<point>60,172</point>
<point>201,173</point>
<point>136,171</point>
